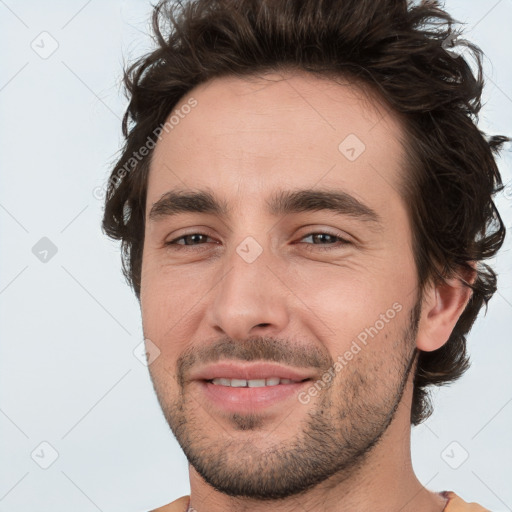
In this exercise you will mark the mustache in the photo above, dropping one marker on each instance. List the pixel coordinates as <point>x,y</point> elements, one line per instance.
<point>261,348</point>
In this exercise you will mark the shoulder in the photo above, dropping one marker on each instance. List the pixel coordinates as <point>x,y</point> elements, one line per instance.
<point>179,505</point>
<point>457,504</point>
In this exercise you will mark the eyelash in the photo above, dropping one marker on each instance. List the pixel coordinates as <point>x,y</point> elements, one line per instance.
<point>326,247</point>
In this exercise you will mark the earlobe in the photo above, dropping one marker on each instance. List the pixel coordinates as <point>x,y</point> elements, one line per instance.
<point>442,306</point>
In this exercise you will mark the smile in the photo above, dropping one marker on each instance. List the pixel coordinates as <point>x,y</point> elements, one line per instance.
<point>252,383</point>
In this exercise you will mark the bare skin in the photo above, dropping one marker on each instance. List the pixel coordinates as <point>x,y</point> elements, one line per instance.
<point>295,303</point>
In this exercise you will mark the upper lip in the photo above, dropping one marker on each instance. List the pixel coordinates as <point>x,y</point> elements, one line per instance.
<point>249,371</point>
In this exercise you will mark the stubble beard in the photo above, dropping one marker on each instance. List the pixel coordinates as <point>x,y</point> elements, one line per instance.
<point>337,435</point>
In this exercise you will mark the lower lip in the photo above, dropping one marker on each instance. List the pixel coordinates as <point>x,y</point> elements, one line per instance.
<point>249,399</point>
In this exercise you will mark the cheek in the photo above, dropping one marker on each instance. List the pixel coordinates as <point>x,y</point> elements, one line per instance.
<point>362,297</point>
<point>169,302</point>
<point>354,303</point>
<point>154,302</point>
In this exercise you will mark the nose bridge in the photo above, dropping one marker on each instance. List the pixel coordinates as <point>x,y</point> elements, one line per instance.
<point>248,295</point>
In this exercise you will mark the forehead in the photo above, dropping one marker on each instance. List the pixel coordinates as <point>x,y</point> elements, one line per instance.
<point>247,136</point>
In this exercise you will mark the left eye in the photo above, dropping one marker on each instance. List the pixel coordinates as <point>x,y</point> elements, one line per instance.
<point>189,237</point>
<point>328,240</point>
<point>329,237</point>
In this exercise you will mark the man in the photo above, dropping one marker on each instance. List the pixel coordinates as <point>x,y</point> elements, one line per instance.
<point>304,203</point>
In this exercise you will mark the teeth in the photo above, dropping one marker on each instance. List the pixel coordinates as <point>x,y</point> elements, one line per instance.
<point>251,383</point>
<point>256,383</point>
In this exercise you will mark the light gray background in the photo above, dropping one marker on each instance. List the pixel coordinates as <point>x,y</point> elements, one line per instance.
<point>69,325</point>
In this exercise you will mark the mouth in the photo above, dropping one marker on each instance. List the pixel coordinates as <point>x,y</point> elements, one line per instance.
<point>238,387</point>
<point>253,383</point>
<point>253,374</point>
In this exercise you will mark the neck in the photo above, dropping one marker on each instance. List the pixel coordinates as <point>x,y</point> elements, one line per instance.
<point>384,481</point>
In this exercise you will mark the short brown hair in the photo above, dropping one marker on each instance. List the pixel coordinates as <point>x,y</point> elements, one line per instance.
<point>405,53</point>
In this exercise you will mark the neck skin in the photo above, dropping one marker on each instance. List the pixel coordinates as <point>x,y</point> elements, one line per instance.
<point>384,482</point>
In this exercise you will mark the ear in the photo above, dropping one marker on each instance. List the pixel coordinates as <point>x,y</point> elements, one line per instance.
<point>441,308</point>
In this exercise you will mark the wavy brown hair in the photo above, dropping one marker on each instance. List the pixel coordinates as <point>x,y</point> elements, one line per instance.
<point>406,54</point>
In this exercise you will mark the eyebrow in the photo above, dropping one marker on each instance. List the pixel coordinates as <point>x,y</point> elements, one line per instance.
<point>283,202</point>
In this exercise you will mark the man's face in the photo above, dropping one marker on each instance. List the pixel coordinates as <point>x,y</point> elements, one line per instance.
<point>266,290</point>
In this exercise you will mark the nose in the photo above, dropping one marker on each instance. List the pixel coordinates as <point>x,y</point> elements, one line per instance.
<point>250,299</point>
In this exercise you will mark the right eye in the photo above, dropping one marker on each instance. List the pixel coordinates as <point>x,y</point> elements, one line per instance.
<point>195,239</point>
